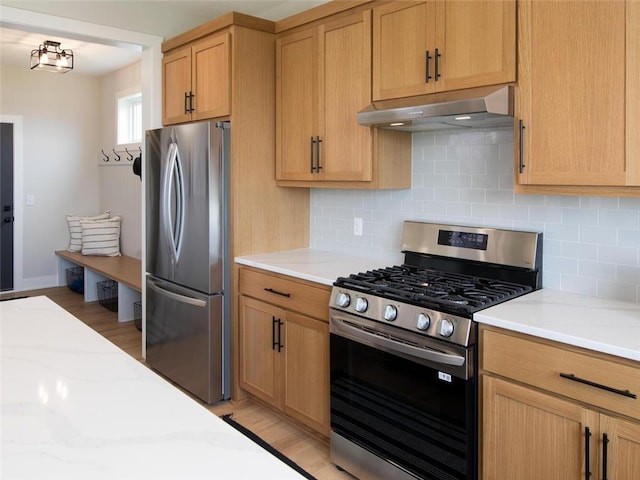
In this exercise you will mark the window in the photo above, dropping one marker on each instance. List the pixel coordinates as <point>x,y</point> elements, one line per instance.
<point>130,119</point>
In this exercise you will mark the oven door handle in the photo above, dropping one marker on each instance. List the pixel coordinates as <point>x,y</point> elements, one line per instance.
<point>339,327</point>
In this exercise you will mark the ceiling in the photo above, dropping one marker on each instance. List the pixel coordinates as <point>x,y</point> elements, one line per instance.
<point>162,18</point>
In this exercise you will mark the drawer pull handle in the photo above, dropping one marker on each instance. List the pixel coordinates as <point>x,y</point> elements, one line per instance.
<point>625,393</point>
<point>271,290</point>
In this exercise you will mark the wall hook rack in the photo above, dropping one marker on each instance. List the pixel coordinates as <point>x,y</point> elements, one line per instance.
<point>116,154</point>
<point>106,157</point>
<point>129,155</point>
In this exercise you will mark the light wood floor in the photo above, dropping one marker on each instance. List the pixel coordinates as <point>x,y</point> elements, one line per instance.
<point>304,448</point>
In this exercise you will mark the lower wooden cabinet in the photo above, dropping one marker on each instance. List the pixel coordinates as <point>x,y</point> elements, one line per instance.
<point>528,433</point>
<point>284,355</point>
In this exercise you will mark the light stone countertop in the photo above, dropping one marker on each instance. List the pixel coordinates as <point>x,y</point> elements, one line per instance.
<point>75,406</point>
<point>313,265</point>
<point>607,326</point>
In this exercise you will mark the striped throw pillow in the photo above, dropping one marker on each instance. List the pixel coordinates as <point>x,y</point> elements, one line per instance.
<point>101,237</point>
<point>75,229</point>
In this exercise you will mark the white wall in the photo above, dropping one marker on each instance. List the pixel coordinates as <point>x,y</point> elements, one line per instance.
<point>61,133</point>
<point>591,245</point>
<point>120,189</point>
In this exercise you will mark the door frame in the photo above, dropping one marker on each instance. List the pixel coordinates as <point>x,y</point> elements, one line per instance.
<point>18,211</point>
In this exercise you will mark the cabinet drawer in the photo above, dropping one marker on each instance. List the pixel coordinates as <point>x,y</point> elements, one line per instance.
<point>541,365</point>
<point>286,293</point>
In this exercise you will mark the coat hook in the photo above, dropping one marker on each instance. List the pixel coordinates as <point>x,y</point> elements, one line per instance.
<point>116,154</point>
<point>140,150</point>
<point>106,157</point>
<point>128,154</point>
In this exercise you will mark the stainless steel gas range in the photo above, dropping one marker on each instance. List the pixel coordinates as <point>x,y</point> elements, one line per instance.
<point>403,385</point>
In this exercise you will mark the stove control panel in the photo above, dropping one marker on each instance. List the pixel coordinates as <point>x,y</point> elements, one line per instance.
<point>407,316</point>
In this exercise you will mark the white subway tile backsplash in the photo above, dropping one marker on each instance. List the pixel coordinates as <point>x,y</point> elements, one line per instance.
<point>618,255</point>
<point>562,232</point>
<point>580,285</point>
<point>603,271</point>
<point>580,216</point>
<point>620,291</point>
<point>485,181</point>
<point>591,245</point>
<point>627,274</point>
<point>618,218</point>
<point>629,237</point>
<point>600,202</point>
<point>544,214</point>
<point>601,236</point>
<point>583,251</point>
<point>562,265</point>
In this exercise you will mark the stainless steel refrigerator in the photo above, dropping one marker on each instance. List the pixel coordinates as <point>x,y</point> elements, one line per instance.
<point>187,261</point>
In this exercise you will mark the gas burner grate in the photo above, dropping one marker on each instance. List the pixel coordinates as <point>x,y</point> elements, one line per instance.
<point>430,288</point>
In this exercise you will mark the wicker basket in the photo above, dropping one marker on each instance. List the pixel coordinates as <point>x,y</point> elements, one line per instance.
<point>108,294</point>
<point>75,279</point>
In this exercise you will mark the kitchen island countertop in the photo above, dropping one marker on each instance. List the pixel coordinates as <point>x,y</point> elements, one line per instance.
<point>598,324</point>
<point>74,405</point>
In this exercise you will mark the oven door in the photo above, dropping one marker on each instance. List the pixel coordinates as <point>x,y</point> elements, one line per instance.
<point>402,405</point>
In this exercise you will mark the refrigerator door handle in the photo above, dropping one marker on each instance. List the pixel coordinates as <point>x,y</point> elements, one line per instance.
<point>173,170</point>
<point>196,302</point>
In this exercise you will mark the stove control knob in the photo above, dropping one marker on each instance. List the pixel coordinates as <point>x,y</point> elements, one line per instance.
<point>343,300</point>
<point>390,313</point>
<point>361,305</point>
<point>423,321</point>
<point>446,327</point>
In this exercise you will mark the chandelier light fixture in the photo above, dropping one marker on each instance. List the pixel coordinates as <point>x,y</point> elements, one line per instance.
<point>51,58</point>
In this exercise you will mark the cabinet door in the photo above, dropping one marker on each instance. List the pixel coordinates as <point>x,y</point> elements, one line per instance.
<point>476,42</point>
<point>403,36</point>
<point>176,86</point>
<point>345,88</point>
<point>296,105</point>
<point>622,450</point>
<point>306,351</point>
<point>259,357</point>
<point>211,77</point>
<point>529,435</point>
<point>571,99</point>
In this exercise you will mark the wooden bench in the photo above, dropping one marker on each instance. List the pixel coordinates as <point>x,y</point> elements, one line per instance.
<point>127,271</point>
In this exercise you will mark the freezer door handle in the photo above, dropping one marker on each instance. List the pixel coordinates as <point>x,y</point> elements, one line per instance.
<point>196,302</point>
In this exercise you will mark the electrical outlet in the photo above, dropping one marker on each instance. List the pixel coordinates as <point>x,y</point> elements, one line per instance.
<point>357,227</point>
<point>31,200</point>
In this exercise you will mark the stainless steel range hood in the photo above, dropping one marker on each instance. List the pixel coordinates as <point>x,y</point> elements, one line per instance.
<point>472,108</point>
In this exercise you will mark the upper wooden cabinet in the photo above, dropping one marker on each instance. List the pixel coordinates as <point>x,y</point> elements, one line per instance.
<point>578,101</point>
<point>422,47</point>
<point>323,78</point>
<point>196,81</point>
